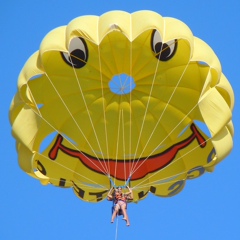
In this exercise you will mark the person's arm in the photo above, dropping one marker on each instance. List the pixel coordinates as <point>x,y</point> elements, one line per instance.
<point>130,193</point>
<point>110,196</point>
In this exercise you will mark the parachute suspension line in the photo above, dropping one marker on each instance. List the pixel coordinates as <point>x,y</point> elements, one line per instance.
<point>162,141</point>
<point>153,81</point>
<point>116,232</point>
<point>117,143</point>
<point>90,119</point>
<point>39,114</point>
<point>164,110</point>
<point>165,138</point>
<point>178,123</point>
<point>124,150</point>
<point>70,170</point>
<point>38,111</point>
<point>79,151</point>
<point>120,110</point>
<point>145,114</point>
<point>104,169</point>
<point>103,107</point>
<point>132,156</point>
<point>164,180</point>
<point>130,99</point>
<point>82,184</point>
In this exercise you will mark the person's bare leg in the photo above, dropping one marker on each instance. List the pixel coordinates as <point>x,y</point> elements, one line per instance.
<point>114,213</point>
<point>113,217</point>
<point>125,215</point>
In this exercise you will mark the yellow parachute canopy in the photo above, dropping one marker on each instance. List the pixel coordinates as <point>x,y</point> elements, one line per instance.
<point>122,99</point>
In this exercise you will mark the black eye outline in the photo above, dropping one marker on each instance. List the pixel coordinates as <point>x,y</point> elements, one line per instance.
<point>163,51</point>
<point>78,53</point>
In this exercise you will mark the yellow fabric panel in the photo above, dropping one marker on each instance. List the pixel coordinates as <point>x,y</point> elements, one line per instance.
<point>54,40</point>
<point>114,21</point>
<point>175,27</point>
<point>85,26</point>
<point>122,96</point>
<point>25,127</point>
<point>223,143</point>
<point>226,91</point>
<point>30,69</point>
<point>25,158</point>
<point>203,53</point>
<point>215,111</point>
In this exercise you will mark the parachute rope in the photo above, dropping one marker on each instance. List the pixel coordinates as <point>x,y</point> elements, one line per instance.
<point>69,143</point>
<point>170,176</point>
<point>54,162</point>
<point>117,142</point>
<point>89,116</point>
<point>174,90</point>
<point>130,112</point>
<point>164,140</point>
<point>124,150</point>
<point>145,114</point>
<point>116,232</point>
<point>39,114</point>
<point>68,169</point>
<point>157,123</point>
<point>105,170</point>
<point>104,112</point>
<point>134,169</point>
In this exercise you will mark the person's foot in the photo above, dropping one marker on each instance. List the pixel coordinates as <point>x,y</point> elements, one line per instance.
<point>128,224</point>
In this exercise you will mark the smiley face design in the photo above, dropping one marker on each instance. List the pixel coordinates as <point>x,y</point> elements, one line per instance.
<point>122,98</point>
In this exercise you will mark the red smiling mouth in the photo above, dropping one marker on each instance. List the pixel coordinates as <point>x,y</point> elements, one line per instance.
<point>144,166</point>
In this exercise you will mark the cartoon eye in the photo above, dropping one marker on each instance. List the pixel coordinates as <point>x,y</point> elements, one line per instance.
<point>78,53</point>
<point>162,51</point>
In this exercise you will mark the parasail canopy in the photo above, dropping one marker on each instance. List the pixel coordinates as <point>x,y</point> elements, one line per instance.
<point>122,99</point>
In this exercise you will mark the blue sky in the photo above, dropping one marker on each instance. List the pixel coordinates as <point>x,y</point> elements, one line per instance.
<point>208,207</point>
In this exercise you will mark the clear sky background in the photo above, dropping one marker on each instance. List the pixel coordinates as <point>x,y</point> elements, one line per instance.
<point>208,207</point>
